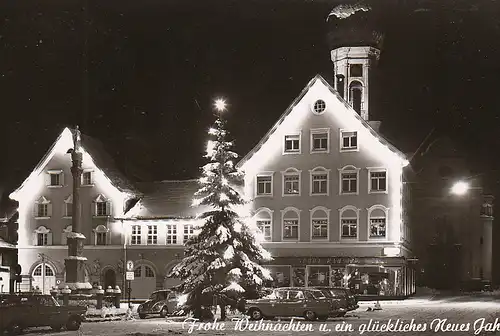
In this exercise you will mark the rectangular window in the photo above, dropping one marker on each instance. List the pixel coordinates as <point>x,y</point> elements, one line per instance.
<point>378,181</point>
<point>292,143</point>
<point>171,234</point>
<point>101,209</point>
<point>291,229</point>
<point>320,184</point>
<point>349,183</point>
<point>87,178</point>
<point>101,238</point>
<point>265,227</point>
<point>349,228</point>
<point>42,239</point>
<point>349,140</point>
<point>264,185</point>
<point>152,235</point>
<point>319,229</point>
<point>377,227</point>
<point>188,232</point>
<point>356,70</point>
<point>69,209</point>
<point>291,184</point>
<point>320,142</point>
<point>42,210</point>
<point>135,238</point>
<point>55,179</point>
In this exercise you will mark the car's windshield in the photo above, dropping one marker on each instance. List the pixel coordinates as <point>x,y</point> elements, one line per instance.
<point>153,296</point>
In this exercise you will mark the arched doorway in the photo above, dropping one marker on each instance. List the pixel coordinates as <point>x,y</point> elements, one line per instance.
<point>109,278</point>
<point>44,278</point>
<point>144,282</point>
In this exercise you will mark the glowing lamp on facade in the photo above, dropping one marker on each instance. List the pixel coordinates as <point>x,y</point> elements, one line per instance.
<point>460,188</point>
<point>391,251</point>
<point>220,104</point>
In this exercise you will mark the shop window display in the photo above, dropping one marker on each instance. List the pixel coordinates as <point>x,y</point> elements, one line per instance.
<point>338,277</point>
<point>280,275</point>
<point>299,277</point>
<point>372,280</point>
<point>318,276</point>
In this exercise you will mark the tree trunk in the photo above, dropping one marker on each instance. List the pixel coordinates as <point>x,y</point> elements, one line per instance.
<point>222,312</point>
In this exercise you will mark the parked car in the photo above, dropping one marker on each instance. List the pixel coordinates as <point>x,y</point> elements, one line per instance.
<point>310,303</point>
<point>21,311</point>
<point>161,302</point>
<point>346,300</point>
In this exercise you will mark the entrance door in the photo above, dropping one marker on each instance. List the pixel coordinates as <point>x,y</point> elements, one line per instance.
<point>109,279</point>
<point>44,278</point>
<point>144,282</point>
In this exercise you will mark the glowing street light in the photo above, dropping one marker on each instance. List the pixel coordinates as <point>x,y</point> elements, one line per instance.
<point>220,104</point>
<point>460,188</point>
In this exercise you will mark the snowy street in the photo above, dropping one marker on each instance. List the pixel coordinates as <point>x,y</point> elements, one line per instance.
<point>457,310</point>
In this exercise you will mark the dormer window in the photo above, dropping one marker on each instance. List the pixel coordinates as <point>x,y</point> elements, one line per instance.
<point>42,208</point>
<point>292,143</point>
<point>349,141</point>
<point>102,207</point>
<point>87,178</point>
<point>55,178</point>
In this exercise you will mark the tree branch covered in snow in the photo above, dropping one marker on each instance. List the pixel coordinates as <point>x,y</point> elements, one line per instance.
<point>345,10</point>
<point>223,259</point>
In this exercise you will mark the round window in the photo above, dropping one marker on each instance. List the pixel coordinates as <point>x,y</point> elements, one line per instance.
<point>319,106</point>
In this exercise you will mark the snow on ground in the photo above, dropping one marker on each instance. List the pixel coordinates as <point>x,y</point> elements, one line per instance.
<point>456,310</point>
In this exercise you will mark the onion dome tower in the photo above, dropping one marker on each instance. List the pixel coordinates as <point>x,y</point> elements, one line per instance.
<point>355,43</point>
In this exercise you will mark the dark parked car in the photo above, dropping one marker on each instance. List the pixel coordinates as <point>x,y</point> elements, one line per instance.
<point>346,300</point>
<point>162,302</point>
<point>21,311</point>
<point>293,302</point>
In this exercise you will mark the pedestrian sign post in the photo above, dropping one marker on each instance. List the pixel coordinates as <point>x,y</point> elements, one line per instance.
<point>130,266</point>
<point>129,276</point>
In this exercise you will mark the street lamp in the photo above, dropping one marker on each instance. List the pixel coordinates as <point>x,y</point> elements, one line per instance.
<point>460,188</point>
<point>220,104</point>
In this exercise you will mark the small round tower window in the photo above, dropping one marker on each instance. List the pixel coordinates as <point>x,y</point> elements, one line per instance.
<point>319,106</point>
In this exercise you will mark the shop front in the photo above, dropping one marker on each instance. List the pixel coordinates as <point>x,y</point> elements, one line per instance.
<point>385,276</point>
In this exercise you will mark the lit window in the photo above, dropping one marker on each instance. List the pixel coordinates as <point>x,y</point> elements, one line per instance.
<point>87,178</point>
<point>292,143</point>
<point>291,184</point>
<point>378,181</point>
<point>171,234</point>
<point>349,140</point>
<point>265,227</point>
<point>377,227</point>
<point>188,232</point>
<point>152,235</point>
<point>135,238</point>
<point>264,185</point>
<point>319,106</point>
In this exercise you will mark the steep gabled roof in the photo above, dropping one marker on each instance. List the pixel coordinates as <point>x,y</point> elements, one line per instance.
<point>349,108</point>
<point>95,149</point>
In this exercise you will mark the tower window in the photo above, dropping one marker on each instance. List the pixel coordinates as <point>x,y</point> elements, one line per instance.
<point>356,70</point>
<point>355,93</point>
<point>340,85</point>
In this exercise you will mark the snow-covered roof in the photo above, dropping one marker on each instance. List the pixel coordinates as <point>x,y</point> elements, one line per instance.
<point>95,149</point>
<point>5,245</point>
<point>349,109</point>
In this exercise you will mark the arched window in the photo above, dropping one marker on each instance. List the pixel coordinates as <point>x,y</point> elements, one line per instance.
<point>42,208</point>
<point>102,206</point>
<point>349,221</point>
<point>320,219</point>
<point>101,235</point>
<point>42,236</point>
<point>264,221</point>
<point>377,222</point>
<point>348,180</point>
<point>355,95</point>
<point>291,223</point>
<point>291,182</point>
<point>320,180</point>
<point>68,206</point>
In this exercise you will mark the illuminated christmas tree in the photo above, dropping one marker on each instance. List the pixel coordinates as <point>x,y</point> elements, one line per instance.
<point>221,261</point>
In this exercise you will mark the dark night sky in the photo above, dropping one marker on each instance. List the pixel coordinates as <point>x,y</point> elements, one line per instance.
<point>155,66</point>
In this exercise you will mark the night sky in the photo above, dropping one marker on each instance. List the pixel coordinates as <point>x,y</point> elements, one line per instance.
<point>154,67</point>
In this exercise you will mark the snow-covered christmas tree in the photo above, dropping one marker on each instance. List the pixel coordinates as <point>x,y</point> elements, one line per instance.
<point>221,261</point>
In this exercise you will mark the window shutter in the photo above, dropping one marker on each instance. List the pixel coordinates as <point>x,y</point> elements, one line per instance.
<point>64,239</point>
<point>35,210</point>
<point>109,209</point>
<point>94,208</point>
<point>47,179</point>
<point>49,210</point>
<point>33,238</point>
<point>62,179</point>
<point>49,238</point>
